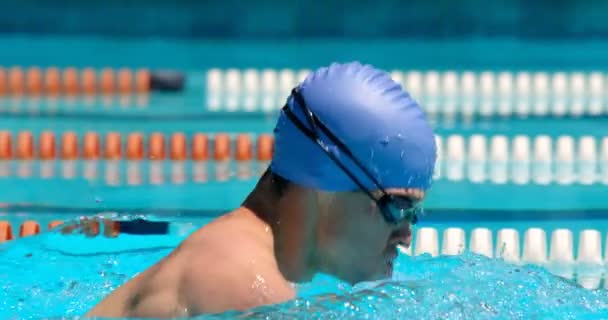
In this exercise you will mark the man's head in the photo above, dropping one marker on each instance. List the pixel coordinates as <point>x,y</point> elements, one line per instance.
<point>358,154</point>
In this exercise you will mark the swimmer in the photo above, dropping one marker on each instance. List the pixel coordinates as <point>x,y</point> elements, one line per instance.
<point>353,159</point>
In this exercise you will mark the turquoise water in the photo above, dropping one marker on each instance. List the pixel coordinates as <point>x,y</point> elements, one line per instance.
<point>56,276</point>
<point>53,276</point>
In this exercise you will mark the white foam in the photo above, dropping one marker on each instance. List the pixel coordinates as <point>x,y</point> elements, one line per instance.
<point>481,242</point>
<point>477,158</point>
<point>535,246</point>
<point>404,250</point>
<point>427,241</point>
<point>542,170</point>
<point>564,160</point>
<point>507,245</point>
<point>499,158</point>
<point>561,254</point>
<point>453,242</point>
<point>455,157</point>
<point>520,173</point>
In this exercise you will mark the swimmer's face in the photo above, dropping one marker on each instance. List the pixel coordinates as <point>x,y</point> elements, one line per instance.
<point>355,242</point>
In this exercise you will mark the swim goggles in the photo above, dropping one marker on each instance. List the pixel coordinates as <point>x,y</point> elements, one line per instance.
<point>395,209</point>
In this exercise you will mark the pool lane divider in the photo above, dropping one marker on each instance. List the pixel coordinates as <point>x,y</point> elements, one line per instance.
<point>34,81</point>
<point>115,146</point>
<point>27,228</point>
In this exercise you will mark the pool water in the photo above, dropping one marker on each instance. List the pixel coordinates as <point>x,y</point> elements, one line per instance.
<point>516,153</point>
<point>57,276</point>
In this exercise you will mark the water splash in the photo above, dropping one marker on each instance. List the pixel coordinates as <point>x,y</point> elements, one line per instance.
<point>461,287</point>
<point>62,284</point>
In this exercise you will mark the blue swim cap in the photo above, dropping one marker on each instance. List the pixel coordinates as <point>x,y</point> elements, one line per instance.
<point>373,116</point>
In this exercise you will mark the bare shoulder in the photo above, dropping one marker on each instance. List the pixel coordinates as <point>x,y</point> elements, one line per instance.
<point>234,274</point>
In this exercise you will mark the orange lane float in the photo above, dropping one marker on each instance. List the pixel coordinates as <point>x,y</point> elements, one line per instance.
<point>243,148</point>
<point>113,146</point>
<point>16,81</point>
<point>221,147</point>
<point>69,146</point>
<point>6,231</point>
<point>29,228</point>
<point>6,145</point>
<point>70,81</point>
<point>134,146</point>
<point>25,145</point>
<point>200,147</point>
<point>91,146</point>
<point>265,147</point>
<point>3,82</point>
<point>46,146</point>
<point>34,80</point>
<point>52,81</point>
<point>156,146</point>
<point>26,229</point>
<point>178,147</point>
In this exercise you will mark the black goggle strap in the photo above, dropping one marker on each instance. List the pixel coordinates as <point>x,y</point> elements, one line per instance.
<point>310,134</point>
<point>316,123</point>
